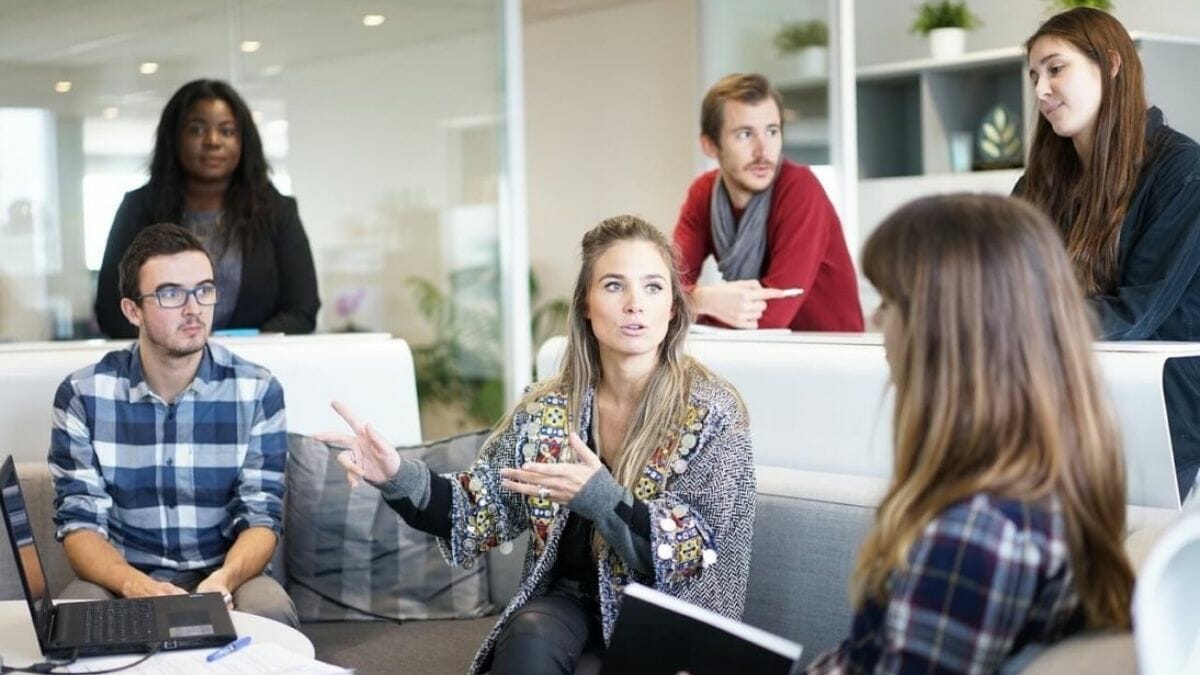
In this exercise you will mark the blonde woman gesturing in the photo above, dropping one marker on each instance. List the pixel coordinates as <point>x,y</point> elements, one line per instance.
<point>633,464</point>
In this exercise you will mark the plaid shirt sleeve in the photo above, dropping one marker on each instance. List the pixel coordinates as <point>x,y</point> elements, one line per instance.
<point>959,605</point>
<point>259,501</point>
<point>81,497</point>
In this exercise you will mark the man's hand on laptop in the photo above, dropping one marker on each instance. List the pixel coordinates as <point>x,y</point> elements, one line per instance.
<point>215,583</point>
<point>142,586</point>
<point>739,304</point>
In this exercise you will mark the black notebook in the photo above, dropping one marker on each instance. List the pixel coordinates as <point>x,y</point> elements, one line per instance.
<point>657,633</point>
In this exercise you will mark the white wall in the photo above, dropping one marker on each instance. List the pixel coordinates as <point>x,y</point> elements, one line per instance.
<point>370,144</point>
<point>743,33</point>
<point>881,26</point>
<point>612,105</point>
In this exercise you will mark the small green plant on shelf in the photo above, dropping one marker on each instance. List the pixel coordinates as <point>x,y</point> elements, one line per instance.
<point>945,14</point>
<point>796,35</point>
<point>1064,5</point>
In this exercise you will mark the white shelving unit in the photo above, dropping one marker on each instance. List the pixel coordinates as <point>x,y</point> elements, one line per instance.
<point>907,111</point>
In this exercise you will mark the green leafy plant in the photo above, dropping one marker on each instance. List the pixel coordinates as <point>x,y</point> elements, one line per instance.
<point>463,364</point>
<point>796,35</point>
<point>1063,5</point>
<point>945,14</point>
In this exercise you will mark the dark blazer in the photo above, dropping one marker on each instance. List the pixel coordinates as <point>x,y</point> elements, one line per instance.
<point>278,291</point>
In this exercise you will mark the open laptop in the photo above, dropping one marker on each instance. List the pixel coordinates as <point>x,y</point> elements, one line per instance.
<point>121,626</point>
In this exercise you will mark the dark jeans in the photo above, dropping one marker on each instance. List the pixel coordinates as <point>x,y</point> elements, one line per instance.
<point>551,634</point>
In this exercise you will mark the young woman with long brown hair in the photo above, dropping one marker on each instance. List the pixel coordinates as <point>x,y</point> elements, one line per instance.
<point>1003,522</point>
<point>1124,190</point>
<point>632,464</point>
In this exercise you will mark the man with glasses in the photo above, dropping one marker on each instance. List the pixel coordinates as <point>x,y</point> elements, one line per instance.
<point>168,456</point>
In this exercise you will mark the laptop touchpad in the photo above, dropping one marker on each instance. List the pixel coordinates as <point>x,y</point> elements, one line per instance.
<point>185,623</point>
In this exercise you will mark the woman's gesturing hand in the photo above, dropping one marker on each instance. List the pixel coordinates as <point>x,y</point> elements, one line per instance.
<point>556,482</point>
<point>367,455</point>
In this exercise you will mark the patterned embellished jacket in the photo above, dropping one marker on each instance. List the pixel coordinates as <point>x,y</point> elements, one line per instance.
<point>699,487</point>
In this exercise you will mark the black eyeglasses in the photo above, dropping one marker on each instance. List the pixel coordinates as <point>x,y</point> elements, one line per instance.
<point>173,297</point>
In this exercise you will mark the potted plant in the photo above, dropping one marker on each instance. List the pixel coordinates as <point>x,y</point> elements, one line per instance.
<point>806,42</point>
<point>946,24</point>
<point>460,373</point>
<point>1064,5</point>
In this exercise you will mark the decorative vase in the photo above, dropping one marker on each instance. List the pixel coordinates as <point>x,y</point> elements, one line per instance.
<point>812,62</point>
<point>946,43</point>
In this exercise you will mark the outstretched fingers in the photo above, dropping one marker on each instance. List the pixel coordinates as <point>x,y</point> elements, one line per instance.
<point>335,438</point>
<point>342,410</point>
<point>583,453</point>
<point>379,444</point>
<point>353,471</point>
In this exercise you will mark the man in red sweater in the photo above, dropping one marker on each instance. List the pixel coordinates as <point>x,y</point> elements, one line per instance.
<point>770,226</point>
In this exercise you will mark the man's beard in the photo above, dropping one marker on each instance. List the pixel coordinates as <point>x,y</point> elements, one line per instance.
<point>176,352</point>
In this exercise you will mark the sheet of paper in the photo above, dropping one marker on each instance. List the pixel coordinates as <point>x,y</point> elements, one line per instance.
<point>256,659</point>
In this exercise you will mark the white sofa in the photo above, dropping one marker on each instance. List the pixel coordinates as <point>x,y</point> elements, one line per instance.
<point>370,372</point>
<point>821,403</point>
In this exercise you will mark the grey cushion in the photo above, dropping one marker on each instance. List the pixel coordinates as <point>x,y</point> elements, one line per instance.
<point>349,556</point>
<point>804,551</point>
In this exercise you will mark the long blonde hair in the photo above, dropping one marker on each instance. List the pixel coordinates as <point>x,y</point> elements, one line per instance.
<point>664,401</point>
<point>996,388</point>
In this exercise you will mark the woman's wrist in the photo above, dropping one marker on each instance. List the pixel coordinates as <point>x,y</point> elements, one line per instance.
<point>411,482</point>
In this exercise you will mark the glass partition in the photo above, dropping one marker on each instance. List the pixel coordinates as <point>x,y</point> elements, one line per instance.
<point>386,127</point>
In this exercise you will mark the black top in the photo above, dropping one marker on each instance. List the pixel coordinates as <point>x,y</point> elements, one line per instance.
<point>278,290</point>
<point>1158,286</point>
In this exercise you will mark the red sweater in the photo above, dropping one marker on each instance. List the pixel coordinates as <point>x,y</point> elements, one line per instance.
<point>805,249</point>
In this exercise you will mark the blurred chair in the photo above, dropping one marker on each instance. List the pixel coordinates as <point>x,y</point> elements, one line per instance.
<point>1166,602</point>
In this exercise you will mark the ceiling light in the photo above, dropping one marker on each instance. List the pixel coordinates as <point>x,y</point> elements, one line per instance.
<point>148,68</point>
<point>62,86</point>
<point>272,71</point>
<point>110,113</point>
<point>250,46</point>
<point>372,20</point>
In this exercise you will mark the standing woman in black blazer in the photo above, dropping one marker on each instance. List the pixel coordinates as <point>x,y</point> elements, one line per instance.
<point>209,174</point>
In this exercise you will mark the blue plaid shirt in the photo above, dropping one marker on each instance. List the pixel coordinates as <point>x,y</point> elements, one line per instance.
<point>171,486</point>
<point>986,577</point>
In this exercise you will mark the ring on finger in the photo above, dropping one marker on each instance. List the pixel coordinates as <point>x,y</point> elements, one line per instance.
<point>543,492</point>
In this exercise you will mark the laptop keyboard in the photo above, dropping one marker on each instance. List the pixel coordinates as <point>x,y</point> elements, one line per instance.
<point>119,622</point>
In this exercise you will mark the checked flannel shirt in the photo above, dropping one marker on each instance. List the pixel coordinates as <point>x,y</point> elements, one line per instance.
<point>170,485</point>
<point>986,577</point>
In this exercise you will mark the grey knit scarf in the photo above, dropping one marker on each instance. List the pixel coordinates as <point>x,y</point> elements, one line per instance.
<point>740,246</point>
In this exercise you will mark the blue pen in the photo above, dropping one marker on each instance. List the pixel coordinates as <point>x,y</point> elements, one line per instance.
<point>229,648</point>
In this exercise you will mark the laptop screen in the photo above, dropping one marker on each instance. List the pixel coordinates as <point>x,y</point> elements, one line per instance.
<point>25,553</point>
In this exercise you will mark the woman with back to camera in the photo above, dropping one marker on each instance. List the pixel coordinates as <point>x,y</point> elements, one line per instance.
<point>1001,528</point>
<point>1124,190</point>
<point>209,174</point>
<point>632,464</point>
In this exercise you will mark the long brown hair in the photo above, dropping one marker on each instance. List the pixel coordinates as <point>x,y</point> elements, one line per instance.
<point>996,388</point>
<point>1089,204</point>
<point>664,402</point>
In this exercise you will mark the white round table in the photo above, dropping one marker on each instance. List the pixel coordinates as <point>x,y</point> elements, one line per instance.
<point>19,645</point>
